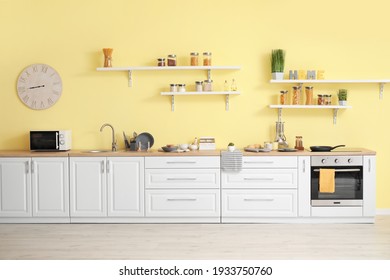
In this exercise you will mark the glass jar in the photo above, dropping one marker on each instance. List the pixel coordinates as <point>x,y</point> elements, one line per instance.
<point>309,95</point>
<point>296,95</point>
<point>160,61</point>
<point>283,94</point>
<point>207,59</point>
<point>172,60</point>
<point>181,87</point>
<point>173,87</point>
<point>198,86</point>
<point>194,59</point>
<point>208,85</point>
<point>298,143</point>
<point>320,99</point>
<point>328,99</point>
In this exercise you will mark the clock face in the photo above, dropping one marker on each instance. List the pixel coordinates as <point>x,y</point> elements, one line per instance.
<point>39,86</point>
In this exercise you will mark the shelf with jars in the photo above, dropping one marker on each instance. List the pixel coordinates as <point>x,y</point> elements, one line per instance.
<point>130,69</point>
<point>187,93</point>
<point>380,82</point>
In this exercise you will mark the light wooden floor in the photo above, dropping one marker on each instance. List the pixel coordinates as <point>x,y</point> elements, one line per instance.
<point>196,241</point>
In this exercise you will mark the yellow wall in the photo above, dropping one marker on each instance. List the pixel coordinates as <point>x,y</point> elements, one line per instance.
<point>345,39</point>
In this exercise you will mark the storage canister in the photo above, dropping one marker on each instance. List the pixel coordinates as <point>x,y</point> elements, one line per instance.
<point>207,59</point>
<point>173,87</point>
<point>181,87</point>
<point>309,95</point>
<point>296,95</point>
<point>172,60</point>
<point>194,59</point>
<point>320,99</point>
<point>208,85</point>
<point>328,99</point>
<point>283,94</point>
<point>198,86</point>
<point>161,62</point>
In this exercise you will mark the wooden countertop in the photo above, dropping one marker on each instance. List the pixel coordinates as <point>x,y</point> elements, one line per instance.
<point>123,153</point>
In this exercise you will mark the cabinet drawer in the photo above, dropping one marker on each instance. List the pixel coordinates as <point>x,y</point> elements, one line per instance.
<point>261,178</point>
<point>259,203</point>
<point>182,162</point>
<point>270,162</point>
<point>182,178</point>
<point>182,203</point>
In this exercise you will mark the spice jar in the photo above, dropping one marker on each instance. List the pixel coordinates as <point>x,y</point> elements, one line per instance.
<point>160,61</point>
<point>194,59</point>
<point>296,95</point>
<point>208,85</point>
<point>283,94</point>
<point>328,99</point>
<point>181,87</point>
<point>207,59</point>
<point>309,95</point>
<point>172,60</point>
<point>173,87</point>
<point>198,85</point>
<point>320,99</point>
<point>298,143</point>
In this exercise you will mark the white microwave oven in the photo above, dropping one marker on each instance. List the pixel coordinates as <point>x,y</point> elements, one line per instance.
<point>50,140</point>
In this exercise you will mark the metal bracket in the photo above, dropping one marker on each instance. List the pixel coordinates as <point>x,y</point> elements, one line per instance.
<point>172,103</point>
<point>209,74</point>
<point>279,114</point>
<point>381,88</point>
<point>227,102</point>
<point>335,115</point>
<point>130,78</point>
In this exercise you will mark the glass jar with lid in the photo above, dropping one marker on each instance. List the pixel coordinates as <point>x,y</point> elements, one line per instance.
<point>172,60</point>
<point>283,94</point>
<point>328,99</point>
<point>198,86</point>
<point>194,59</point>
<point>160,61</point>
<point>296,95</point>
<point>181,87</point>
<point>207,58</point>
<point>208,85</point>
<point>320,99</point>
<point>309,95</point>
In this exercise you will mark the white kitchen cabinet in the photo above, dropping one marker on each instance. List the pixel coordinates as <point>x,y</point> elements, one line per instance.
<point>102,187</point>
<point>88,187</point>
<point>369,186</point>
<point>304,199</point>
<point>50,186</point>
<point>125,186</point>
<point>15,187</point>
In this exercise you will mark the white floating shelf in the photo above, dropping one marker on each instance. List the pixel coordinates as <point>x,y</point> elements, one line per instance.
<point>130,69</point>
<point>381,82</point>
<point>334,107</point>
<point>188,93</point>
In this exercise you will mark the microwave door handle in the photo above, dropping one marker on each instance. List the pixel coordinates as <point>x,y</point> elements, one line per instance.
<point>342,170</point>
<point>57,136</point>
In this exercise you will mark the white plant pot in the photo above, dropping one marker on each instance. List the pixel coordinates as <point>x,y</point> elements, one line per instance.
<point>343,102</point>
<point>277,76</point>
<point>231,148</point>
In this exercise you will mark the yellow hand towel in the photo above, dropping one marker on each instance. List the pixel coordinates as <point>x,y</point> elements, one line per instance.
<point>327,180</point>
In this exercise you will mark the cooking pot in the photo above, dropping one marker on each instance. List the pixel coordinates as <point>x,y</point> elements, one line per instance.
<point>324,148</point>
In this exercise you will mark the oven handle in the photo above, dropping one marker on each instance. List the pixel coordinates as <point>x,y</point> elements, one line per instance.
<point>341,170</point>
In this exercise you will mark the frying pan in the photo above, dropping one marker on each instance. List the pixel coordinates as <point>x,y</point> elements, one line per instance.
<point>324,148</point>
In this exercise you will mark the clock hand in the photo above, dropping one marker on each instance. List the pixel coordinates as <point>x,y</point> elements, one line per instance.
<point>36,87</point>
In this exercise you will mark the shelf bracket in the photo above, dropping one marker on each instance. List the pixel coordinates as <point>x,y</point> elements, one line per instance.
<point>335,115</point>
<point>130,78</point>
<point>173,103</point>
<point>209,74</point>
<point>381,88</point>
<point>227,102</point>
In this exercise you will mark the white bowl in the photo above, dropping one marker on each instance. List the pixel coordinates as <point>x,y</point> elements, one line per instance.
<point>183,146</point>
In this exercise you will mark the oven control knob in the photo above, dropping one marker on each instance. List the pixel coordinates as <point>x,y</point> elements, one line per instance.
<point>349,160</point>
<point>323,160</point>
<point>62,142</point>
<point>336,161</point>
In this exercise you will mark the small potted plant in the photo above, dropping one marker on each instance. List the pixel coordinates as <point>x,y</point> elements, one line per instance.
<point>277,64</point>
<point>342,96</point>
<point>231,147</point>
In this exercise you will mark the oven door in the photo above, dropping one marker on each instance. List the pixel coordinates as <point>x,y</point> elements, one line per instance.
<point>348,187</point>
<point>44,140</point>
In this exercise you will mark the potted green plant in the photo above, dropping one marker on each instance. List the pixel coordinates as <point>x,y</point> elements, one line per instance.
<point>231,147</point>
<point>277,63</point>
<point>342,96</point>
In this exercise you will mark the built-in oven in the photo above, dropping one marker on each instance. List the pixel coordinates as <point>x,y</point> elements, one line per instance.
<point>346,181</point>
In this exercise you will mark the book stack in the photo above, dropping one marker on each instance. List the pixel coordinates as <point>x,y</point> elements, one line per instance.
<point>207,143</point>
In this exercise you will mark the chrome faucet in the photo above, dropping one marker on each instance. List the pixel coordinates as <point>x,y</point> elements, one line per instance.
<point>113,145</point>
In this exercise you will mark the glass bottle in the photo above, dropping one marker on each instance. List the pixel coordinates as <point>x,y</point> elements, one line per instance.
<point>233,87</point>
<point>107,57</point>
<point>226,86</point>
<point>296,95</point>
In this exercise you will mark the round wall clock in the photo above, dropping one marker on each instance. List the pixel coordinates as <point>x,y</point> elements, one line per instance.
<point>39,86</point>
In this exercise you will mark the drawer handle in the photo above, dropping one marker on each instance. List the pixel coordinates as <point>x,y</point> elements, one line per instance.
<point>181,179</point>
<point>259,199</point>
<point>258,179</point>
<point>181,199</point>
<point>179,162</point>
<point>262,162</point>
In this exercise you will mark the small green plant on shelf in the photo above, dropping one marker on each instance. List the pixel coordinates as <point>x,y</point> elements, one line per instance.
<point>277,63</point>
<point>342,96</point>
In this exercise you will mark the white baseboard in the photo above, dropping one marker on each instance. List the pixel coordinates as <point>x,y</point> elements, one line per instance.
<point>383,211</point>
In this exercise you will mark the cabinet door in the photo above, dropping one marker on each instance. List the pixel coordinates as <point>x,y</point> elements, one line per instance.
<point>88,193</point>
<point>15,187</point>
<point>125,185</point>
<point>369,185</point>
<point>50,186</point>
